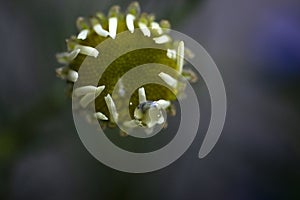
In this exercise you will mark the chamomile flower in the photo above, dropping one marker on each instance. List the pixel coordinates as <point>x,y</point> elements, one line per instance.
<point>149,101</point>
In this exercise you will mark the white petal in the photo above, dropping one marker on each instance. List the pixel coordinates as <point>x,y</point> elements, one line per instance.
<point>180,56</point>
<point>152,117</point>
<point>73,54</point>
<point>121,88</point>
<point>99,90</point>
<point>83,34</point>
<point>87,99</point>
<point>142,95</point>
<point>91,96</point>
<point>138,114</point>
<point>161,120</point>
<point>59,73</point>
<point>66,57</point>
<point>150,124</point>
<point>101,116</point>
<point>129,22</point>
<point>90,119</point>
<point>168,79</point>
<point>84,90</point>
<point>163,103</point>
<point>87,50</point>
<point>162,39</point>
<point>132,123</point>
<point>100,31</point>
<point>171,53</point>
<point>113,25</point>
<point>149,131</point>
<point>144,29</point>
<point>156,26</point>
<point>111,107</point>
<point>72,75</point>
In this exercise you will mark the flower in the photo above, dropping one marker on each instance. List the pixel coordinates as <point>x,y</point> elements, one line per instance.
<point>145,111</point>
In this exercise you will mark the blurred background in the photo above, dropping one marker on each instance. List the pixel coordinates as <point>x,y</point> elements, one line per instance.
<point>255,44</point>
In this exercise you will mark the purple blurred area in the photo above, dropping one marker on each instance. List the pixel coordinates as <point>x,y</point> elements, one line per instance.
<point>255,44</point>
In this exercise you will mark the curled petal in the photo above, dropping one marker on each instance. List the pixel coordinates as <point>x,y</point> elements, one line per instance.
<point>130,22</point>
<point>138,114</point>
<point>134,8</point>
<point>162,39</point>
<point>163,103</point>
<point>72,76</point>
<point>168,79</point>
<point>171,53</point>
<point>91,96</point>
<point>155,26</point>
<point>67,57</point>
<point>152,117</point>
<point>84,90</point>
<point>83,34</point>
<point>100,31</point>
<point>111,107</point>
<point>87,50</point>
<point>180,56</point>
<point>142,95</point>
<point>87,99</point>
<point>113,25</point>
<point>132,123</point>
<point>145,30</point>
<point>101,116</point>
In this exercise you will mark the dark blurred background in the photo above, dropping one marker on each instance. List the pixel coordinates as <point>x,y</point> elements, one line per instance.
<point>256,45</point>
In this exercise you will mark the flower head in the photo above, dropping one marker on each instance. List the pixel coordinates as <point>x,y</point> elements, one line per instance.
<point>145,110</point>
